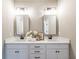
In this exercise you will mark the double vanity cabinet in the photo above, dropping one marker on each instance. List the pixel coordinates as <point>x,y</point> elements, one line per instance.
<point>36,50</point>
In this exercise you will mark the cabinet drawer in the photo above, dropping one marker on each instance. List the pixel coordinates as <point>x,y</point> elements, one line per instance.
<point>56,46</point>
<point>37,46</point>
<point>37,56</point>
<point>37,51</point>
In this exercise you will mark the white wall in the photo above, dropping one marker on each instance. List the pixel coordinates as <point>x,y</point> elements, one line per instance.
<point>67,23</point>
<point>36,6</point>
<point>7,18</point>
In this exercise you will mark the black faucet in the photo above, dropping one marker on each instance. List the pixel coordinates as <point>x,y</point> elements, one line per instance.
<point>21,36</point>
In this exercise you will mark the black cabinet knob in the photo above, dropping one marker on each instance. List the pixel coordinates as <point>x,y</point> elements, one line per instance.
<point>57,51</point>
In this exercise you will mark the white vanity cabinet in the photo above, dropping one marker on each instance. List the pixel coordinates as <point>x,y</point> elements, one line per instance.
<point>16,51</point>
<point>57,51</point>
<point>23,49</point>
<point>37,51</point>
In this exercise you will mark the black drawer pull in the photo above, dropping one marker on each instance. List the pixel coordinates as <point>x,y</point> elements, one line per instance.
<point>16,51</point>
<point>36,51</point>
<point>37,46</point>
<point>37,57</point>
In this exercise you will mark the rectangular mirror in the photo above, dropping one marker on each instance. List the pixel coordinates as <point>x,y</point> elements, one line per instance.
<point>22,24</point>
<point>49,23</point>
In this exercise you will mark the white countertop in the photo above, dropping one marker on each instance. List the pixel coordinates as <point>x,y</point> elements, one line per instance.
<point>54,40</point>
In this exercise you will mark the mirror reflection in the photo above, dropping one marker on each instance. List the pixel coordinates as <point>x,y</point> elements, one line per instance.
<point>49,22</point>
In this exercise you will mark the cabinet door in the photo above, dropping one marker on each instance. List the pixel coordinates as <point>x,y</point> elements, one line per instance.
<point>51,54</point>
<point>63,54</point>
<point>16,52</point>
<point>57,51</point>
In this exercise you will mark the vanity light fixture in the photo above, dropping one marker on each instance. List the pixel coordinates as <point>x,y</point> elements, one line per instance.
<point>21,11</point>
<point>50,11</point>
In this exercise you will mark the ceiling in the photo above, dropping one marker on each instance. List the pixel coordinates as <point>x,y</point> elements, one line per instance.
<point>35,0</point>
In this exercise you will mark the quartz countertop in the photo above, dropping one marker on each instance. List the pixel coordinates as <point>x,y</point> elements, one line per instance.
<point>46,40</point>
